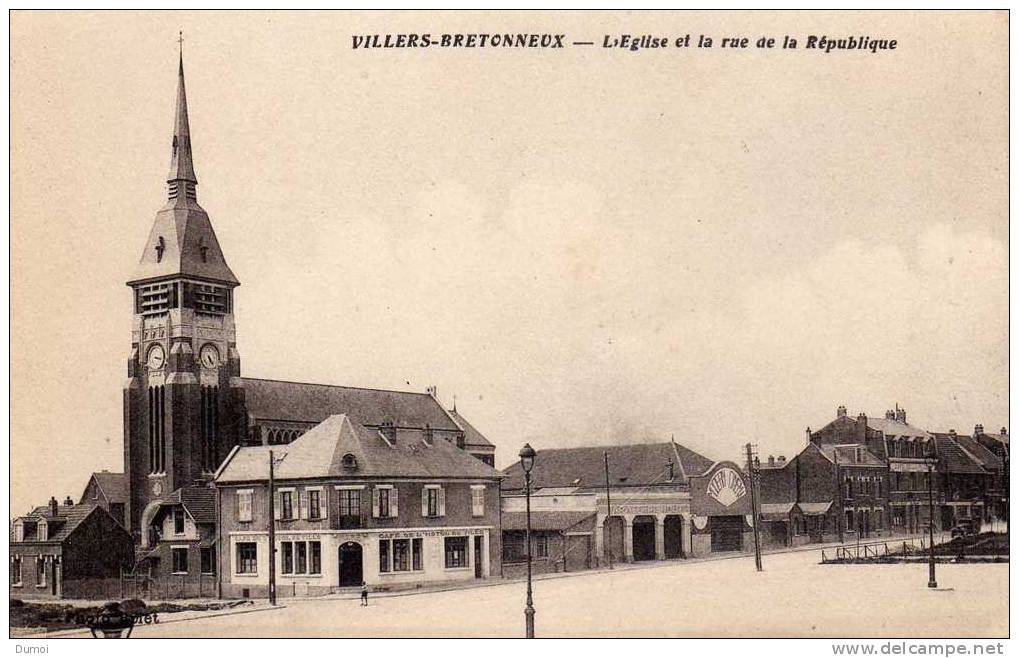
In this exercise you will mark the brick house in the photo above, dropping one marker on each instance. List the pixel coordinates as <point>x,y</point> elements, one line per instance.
<point>67,551</point>
<point>109,491</point>
<point>177,556</point>
<point>395,507</point>
<point>997,444</point>
<point>965,477</point>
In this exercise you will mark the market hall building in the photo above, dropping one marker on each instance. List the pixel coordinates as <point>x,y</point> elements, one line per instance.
<point>661,501</point>
<point>393,507</point>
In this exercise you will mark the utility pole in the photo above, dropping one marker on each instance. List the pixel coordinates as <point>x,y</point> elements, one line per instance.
<point>753,504</point>
<point>838,493</point>
<point>931,581</point>
<point>272,533</point>
<point>608,511</point>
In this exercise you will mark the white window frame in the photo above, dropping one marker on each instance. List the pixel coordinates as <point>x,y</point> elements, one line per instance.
<point>42,576</point>
<point>323,503</point>
<point>184,521</point>
<point>293,494</point>
<point>476,509</point>
<point>250,495</point>
<point>187,560</point>
<point>235,558</point>
<point>21,570</point>
<point>19,530</point>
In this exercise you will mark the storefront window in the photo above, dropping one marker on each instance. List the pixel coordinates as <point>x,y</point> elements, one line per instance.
<point>384,555</point>
<point>247,557</point>
<point>401,555</point>
<point>287,557</point>
<point>456,552</point>
<point>316,557</point>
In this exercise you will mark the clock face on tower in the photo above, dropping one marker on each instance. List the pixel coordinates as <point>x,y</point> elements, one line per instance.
<point>156,357</point>
<point>209,356</point>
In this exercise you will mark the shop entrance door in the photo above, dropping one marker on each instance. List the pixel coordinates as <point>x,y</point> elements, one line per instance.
<point>351,568</point>
<point>478,571</point>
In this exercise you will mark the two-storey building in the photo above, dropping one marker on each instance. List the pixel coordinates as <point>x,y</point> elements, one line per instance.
<point>390,506</point>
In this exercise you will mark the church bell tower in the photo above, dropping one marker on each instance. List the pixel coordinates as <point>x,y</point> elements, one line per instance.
<point>183,398</point>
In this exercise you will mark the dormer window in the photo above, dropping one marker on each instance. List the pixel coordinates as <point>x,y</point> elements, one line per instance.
<point>349,462</point>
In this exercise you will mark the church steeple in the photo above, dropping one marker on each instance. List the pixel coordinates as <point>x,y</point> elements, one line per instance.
<point>181,179</point>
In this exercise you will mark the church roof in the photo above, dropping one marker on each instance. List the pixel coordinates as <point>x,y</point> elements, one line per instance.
<point>320,452</point>
<point>629,465</point>
<point>313,403</point>
<point>182,242</point>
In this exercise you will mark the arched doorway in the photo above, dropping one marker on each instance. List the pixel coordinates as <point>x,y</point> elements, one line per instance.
<point>351,568</point>
<point>673,536</point>
<point>643,538</point>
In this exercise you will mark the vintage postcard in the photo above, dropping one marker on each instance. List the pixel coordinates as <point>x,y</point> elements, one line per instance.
<point>493,324</point>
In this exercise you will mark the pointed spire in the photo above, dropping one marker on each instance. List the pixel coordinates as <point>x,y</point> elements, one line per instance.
<point>182,177</point>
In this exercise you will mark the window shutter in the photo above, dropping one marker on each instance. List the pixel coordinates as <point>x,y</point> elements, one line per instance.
<point>303,498</point>
<point>277,507</point>
<point>394,509</point>
<point>424,501</point>
<point>375,503</point>
<point>442,502</point>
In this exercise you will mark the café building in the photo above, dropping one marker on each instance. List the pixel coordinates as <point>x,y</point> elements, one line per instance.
<point>392,507</point>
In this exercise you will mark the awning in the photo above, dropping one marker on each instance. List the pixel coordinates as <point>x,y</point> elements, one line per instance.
<point>776,511</point>
<point>815,509</point>
<point>572,521</point>
<point>907,467</point>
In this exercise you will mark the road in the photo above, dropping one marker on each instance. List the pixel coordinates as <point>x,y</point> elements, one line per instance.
<point>793,596</point>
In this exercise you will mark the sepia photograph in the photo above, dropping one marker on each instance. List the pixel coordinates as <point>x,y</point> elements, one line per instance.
<point>510,324</point>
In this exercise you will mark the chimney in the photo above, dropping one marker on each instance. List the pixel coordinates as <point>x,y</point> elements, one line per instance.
<point>861,428</point>
<point>890,415</point>
<point>951,433</point>
<point>1004,431</point>
<point>771,460</point>
<point>900,414</point>
<point>426,434</point>
<point>840,411</point>
<point>781,460</point>
<point>68,502</point>
<point>978,430</point>
<point>54,506</point>
<point>808,434</point>
<point>389,431</point>
<point>433,391</point>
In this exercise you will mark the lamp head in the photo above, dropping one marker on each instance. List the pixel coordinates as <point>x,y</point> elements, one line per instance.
<point>527,454</point>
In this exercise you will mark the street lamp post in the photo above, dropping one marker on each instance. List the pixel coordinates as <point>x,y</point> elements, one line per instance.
<point>931,581</point>
<point>527,463</point>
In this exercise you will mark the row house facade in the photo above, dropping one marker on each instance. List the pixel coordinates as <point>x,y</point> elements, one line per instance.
<point>389,507</point>
<point>864,477</point>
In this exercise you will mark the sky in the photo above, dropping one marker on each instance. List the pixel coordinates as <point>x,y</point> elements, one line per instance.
<point>584,246</point>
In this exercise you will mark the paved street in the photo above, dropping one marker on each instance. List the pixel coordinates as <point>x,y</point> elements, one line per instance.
<point>727,598</point>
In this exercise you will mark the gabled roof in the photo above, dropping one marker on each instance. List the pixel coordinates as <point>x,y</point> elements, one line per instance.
<point>313,403</point>
<point>629,465</point>
<point>953,457</point>
<point>986,458</point>
<point>199,501</point>
<point>319,452</point>
<point>472,437</point>
<point>113,486</point>
<point>59,528</point>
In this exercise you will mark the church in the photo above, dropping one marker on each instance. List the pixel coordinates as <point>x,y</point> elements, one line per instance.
<point>188,411</point>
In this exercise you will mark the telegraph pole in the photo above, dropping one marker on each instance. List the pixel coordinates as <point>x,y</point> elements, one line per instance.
<point>838,492</point>
<point>608,511</point>
<point>932,582</point>
<point>272,533</point>
<point>753,504</point>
